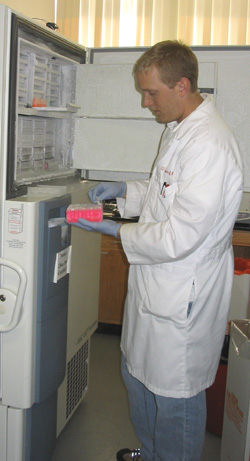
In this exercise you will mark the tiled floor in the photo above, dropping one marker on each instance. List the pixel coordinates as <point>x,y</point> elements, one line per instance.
<point>101,426</point>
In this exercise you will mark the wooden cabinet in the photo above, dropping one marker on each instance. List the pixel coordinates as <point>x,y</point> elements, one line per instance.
<point>113,281</point>
<point>241,238</point>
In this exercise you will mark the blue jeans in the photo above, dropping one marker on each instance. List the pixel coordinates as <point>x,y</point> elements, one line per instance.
<point>169,429</point>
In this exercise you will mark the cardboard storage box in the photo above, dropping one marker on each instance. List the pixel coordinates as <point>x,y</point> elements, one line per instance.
<point>235,443</point>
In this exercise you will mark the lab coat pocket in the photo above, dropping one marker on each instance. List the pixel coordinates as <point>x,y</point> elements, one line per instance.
<point>168,292</point>
<point>163,199</point>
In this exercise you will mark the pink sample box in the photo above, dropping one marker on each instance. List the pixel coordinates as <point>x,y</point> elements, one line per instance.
<point>87,211</point>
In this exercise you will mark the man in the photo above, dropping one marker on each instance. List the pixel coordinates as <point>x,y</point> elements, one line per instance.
<point>180,255</point>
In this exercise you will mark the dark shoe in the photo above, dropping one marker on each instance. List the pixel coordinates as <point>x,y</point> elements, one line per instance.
<point>126,455</point>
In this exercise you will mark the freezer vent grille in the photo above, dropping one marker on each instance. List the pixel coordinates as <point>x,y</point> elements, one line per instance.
<point>77,378</point>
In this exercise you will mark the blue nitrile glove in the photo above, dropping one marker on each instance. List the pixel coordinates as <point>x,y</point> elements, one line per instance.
<point>107,226</point>
<point>107,190</point>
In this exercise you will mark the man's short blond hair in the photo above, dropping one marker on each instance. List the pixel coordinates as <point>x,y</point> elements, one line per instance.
<point>173,59</point>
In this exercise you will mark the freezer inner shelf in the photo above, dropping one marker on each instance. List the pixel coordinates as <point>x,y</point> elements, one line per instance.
<point>45,126</point>
<point>45,79</point>
<point>44,145</point>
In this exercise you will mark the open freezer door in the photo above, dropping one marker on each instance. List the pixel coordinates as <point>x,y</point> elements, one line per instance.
<point>115,137</point>
<point>113,132</point>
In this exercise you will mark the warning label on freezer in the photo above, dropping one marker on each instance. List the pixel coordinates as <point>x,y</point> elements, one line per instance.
<point>62,265</point>
<point>15,220</point>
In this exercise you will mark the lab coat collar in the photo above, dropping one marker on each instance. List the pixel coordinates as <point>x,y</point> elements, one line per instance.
<point>180,129</point>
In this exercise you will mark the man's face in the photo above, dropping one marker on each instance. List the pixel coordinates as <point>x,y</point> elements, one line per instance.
<point>164,102</point>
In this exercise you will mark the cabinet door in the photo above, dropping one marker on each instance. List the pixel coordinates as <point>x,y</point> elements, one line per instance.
<point>113,281</point>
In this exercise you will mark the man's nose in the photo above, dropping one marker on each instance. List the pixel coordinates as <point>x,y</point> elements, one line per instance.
<point>147,101</point>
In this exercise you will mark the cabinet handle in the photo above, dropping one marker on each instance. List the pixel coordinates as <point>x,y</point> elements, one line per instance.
<point>104,252</point>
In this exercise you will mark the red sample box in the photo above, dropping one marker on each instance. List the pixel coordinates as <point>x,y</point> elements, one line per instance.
<point>87,211</point>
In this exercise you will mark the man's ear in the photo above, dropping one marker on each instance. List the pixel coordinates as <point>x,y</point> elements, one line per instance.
<point>184,86</point>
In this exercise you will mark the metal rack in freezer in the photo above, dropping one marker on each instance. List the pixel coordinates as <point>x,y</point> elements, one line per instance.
<point>41,78</point>
<point>36,144</point>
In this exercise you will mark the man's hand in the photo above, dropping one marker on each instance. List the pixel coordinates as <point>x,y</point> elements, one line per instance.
<point>107,190</point>
<point>107,226</point>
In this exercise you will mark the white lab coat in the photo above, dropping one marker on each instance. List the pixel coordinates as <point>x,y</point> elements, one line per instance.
<point>181,251</point>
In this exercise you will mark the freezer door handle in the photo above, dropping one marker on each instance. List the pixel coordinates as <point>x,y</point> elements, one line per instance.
<point>10,302</point>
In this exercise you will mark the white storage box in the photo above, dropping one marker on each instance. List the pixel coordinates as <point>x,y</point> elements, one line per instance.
<point>235,444</point>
